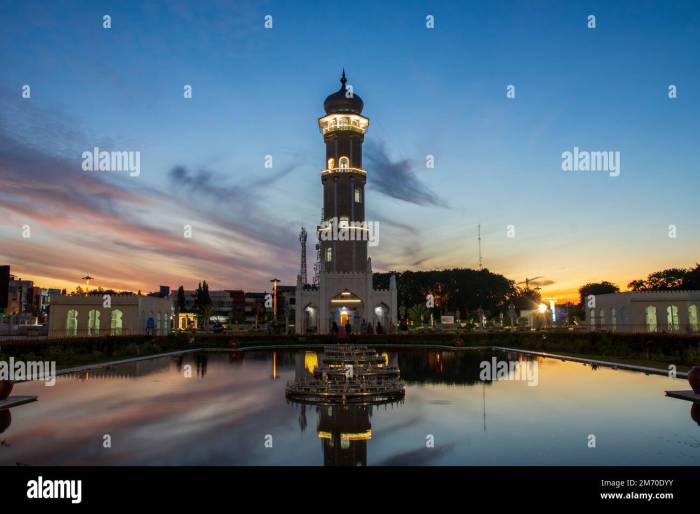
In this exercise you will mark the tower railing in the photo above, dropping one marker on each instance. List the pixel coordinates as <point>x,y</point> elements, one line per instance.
<point>341,127</point>
<point>343,170</point>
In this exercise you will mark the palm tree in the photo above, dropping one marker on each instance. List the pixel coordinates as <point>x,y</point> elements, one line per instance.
<point>417,313</point>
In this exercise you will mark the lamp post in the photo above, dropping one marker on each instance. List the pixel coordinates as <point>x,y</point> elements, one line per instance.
<point>87,279</point>
<point>542,309</point>
<point>275,282</point>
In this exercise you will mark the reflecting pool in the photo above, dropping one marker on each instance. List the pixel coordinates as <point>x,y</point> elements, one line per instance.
<point>218,408</point>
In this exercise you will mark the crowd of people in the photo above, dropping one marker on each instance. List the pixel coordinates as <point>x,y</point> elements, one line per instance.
<point>365,329</point>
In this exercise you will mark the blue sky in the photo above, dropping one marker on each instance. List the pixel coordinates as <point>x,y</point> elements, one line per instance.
<point>259,92</point>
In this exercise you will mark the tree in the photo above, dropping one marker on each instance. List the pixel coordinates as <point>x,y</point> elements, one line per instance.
<point>668,280</point>
<point>596,288</point>
<point>524,299</point>
<point>637,285</point>
<point>671,278</point>
<point>454,289</point>
<point>418,313</point>
<point>202,301</point>
<point>181,304</point>
<point>691,280</point>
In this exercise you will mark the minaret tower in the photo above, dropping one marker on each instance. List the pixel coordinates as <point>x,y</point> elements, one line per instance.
<point>344,294</point>
<point>343,178</point>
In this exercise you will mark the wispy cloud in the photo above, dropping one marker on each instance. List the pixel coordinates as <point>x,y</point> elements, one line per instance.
<point>398,179</point>
<point>97,222</point>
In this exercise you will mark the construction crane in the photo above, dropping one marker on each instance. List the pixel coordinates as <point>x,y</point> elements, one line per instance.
<point>533,281</point>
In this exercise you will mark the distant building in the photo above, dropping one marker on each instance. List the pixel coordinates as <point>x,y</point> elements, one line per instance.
<point>226,303</point>
<point>4,287</point>
<point>534,318</point>
<point>129,314</point>
<point>19,295</point>
<point>286,306</point>
<point>185,321</point>
<point>39,299</point>
<point>255,313</point>
<point>237,307</point>
<point>646,311</point>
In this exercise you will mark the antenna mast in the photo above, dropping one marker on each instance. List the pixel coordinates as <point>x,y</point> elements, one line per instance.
<point>302,241</point>
<point>317,264</point>
<point>481,266</point>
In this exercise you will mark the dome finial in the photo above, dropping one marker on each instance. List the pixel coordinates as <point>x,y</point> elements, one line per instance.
<point>343,80</point>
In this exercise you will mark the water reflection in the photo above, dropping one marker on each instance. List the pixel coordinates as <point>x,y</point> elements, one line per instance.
<point>219,416</point>
<point>344,429</point>
<point>447,367</point>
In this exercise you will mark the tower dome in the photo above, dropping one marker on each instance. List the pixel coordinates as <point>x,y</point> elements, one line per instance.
<point>342,101</point>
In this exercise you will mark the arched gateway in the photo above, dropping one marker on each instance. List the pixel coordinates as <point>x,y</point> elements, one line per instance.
<point>345,292</point>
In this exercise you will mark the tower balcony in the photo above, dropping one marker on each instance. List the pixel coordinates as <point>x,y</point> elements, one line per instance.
<point>331,171</point>
<point>343,122</point>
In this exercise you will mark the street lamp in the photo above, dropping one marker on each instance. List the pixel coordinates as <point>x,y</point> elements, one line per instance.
<point>87,279</point>
<point>275,282</point>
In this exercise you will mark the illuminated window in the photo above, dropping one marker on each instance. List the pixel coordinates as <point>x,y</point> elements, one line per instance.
<point>115,324</point>
<point>331,163</point>
<point>693,317</point>
<point>672,317</point>
<point>94,322</point>
<point>358,195</point>
<point>72,322</point>
<point>650,318</point>
<point>329,254</point>
<point>344,163</point>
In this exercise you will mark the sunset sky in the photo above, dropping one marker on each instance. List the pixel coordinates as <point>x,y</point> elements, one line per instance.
<point>259,92</point>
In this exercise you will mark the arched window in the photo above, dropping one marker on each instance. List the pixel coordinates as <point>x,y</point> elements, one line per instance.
<point>344,163</point>
<point>693,317</point>
<point>158,324</point>
<point>329,254</point>
<point>115,324</point>
<point>650,312</point>
<point>331,163</point>
<point>72,322</point>
<point>592,319</point>
<point>94,322</point>
<point>613,319</point>
<point>601,323</point>
<point>672,317</point>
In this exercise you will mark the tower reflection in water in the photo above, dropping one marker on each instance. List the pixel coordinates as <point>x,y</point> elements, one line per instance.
<point>344,429</point>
